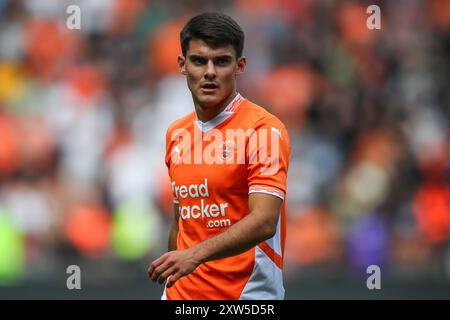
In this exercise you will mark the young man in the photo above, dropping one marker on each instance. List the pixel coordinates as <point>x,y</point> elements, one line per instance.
<point>228,164</point>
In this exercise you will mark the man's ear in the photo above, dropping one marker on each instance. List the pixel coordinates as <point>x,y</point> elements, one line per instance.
<point>241,63</point>
<point>182,64</point>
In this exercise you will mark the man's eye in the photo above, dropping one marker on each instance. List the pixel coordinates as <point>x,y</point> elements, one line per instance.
<point>198,61</point>
<point>222,61</point>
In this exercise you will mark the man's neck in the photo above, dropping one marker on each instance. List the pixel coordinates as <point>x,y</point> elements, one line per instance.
<point>205,114</point>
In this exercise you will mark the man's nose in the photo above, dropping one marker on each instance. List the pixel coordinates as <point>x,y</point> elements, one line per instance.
<point>210,72</point>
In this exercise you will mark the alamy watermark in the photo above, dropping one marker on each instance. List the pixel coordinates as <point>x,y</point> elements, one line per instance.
<point>374,20</point>
<point>235,146</point>
<point>374,280</point>
<point>73,21</point>
<point>74,280</point>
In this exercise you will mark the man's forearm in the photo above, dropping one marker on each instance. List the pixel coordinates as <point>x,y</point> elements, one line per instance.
<point>240,237</point>
<point>173,238</point>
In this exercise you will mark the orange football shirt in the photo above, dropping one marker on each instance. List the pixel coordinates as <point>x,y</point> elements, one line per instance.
<point>213,166</point>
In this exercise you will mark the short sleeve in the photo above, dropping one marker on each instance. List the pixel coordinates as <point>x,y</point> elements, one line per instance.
<point>267,157</point>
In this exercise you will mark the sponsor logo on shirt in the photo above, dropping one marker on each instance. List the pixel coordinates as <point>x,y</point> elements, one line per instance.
<point>214,213</point>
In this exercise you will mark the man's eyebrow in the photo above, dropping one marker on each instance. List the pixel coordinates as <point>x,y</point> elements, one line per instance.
<point>194,56</point>
<point>224,56</point>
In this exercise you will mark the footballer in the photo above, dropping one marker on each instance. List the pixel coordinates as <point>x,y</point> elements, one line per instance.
<point>228,162</point>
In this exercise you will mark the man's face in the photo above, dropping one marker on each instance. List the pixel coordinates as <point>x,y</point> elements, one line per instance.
<point>210,72</point>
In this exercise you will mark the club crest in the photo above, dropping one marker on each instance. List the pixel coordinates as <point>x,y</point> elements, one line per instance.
<point>226,150</point>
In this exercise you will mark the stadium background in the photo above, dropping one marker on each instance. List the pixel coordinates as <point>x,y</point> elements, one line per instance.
<point>83,115</point>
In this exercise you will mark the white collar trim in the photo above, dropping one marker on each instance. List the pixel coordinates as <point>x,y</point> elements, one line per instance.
<point>222,116</point>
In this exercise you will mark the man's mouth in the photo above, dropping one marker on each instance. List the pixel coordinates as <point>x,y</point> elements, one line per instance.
<point>209,87</point>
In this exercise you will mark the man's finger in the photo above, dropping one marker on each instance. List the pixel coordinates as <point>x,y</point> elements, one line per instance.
<point>166,274</point>
<point>155,264</point>
<point>174,279</point>
<point>158,271</point>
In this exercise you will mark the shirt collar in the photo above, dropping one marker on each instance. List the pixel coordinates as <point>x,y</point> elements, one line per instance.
<point>222,116</point>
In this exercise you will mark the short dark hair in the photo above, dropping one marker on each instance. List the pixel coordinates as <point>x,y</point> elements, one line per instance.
<point>216,29</point>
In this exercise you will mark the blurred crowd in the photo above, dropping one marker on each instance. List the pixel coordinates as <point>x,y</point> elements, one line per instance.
<point>83,116</point>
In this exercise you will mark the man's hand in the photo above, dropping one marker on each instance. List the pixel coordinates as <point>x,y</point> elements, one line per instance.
<point>177,264</point>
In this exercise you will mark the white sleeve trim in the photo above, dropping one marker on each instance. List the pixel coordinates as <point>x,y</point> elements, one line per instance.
<point>274,191</point>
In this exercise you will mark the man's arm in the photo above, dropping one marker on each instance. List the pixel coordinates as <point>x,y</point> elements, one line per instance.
<point>259,225</point>
<point>174,229</point>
